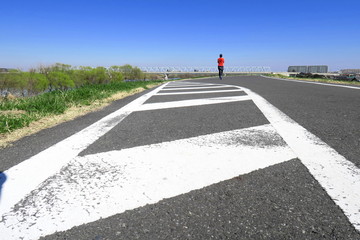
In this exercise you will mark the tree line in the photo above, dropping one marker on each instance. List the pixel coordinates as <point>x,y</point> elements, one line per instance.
<point>63,77</point>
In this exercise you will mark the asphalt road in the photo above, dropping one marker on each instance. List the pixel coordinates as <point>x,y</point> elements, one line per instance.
<point>181,166</point>
<point>331,113</point>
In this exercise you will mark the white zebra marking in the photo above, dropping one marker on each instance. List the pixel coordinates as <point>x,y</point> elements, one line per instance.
<point>199,92</point>
<point>190,103</point>
<point>197,88</point>
<point>104,184</point>
<point>33,215</point>
<point>26,176</point>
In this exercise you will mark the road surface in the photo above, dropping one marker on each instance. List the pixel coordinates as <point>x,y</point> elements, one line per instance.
<point>242,158</point>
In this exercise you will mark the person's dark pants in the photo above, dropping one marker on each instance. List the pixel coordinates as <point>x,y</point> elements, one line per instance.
<point>221,71</point>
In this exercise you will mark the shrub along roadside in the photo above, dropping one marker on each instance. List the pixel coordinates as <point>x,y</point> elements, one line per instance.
<point>20,112</point>
<point>63,77</point>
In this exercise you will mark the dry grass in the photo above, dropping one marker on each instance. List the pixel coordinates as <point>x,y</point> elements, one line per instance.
<point>321,80</point>
<point>72,113</point>
<point>326,80</point>
<point>12,112</point>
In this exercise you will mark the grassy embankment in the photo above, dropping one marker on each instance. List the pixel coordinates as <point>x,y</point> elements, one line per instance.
<point>23,116</point>
<point>323,80</point>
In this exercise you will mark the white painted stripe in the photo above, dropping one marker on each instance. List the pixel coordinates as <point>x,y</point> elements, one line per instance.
<point>338,176</point>
<point>101,185</point>
<point>189,88</point>
<point>317,83</point>
<point>26,176</point>
<point>172,84</point>
<point>147,174</point>
<point>179,86</point>
<point>192,83</point>
<point>185,84</point>
<point>190,103</point>
<point>200,92</point>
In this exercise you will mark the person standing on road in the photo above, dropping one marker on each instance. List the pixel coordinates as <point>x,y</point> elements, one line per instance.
<point>221,62</point>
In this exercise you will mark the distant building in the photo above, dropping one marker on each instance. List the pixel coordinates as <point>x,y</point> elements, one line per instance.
<point>345,71</point>
<point>309,69</point>
<point>4,70</point>
<point>298,69</point>
<point>318,69</point>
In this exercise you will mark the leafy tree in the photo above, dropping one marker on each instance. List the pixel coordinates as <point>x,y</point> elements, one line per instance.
<point>40,83</point>
<point>136,73</point>
<point>115,74</point>
<point>3,81</point>
<point>60,67</point>
<point>10,81</point>
<point>79,77</point>
<point>60,80</point>
<point>44,69</point>
<point>83,76</point>
<point>20,82</point>
<point>36,82</point>
<point>99,75</point>
<point>127,68</point>
<point>130,72</point>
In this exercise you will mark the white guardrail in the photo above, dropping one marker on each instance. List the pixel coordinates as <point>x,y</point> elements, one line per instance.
<point>250,69</point>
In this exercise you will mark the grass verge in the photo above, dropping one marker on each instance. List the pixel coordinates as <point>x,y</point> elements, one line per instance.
<point>323,80</point>
<point>25,116</point>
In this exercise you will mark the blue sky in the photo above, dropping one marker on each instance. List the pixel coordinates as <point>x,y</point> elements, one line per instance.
<point>180,33</point>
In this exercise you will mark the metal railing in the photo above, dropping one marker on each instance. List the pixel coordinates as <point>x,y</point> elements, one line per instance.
<point>242,69</point>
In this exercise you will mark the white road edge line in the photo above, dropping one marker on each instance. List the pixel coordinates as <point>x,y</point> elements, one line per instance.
<point>190,103</point>
<point>200,92</point>
<point>189,88</point>
<point>181,82</point>
<point>172,84</point>
<point>45,164</point>
<point>338,176</point>
<point>317,83</point>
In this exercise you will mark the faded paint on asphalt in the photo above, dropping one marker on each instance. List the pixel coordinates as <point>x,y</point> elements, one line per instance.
<point>101,185</point>
<point>108,162</point>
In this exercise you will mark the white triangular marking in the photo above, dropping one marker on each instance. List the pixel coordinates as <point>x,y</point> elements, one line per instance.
<point>190,103</point>
<point>21,178</point>
<point>199,88</point>
<point>104,184</point>
<point>199,92</point>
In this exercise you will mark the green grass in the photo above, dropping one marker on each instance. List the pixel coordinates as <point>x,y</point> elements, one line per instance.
<point>11,122</point>
<point>20,112</point>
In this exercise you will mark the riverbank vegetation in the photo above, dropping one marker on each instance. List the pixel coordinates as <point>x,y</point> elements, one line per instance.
<point>63,77</point>
<point>42,95</point>
<point>20,112</point>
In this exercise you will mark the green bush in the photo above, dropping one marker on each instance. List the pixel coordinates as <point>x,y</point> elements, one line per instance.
<point>35,82</point>
<point>60,80</point>
<point>115,74</point>
<point>63,77</point>
<point>9,81</point>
